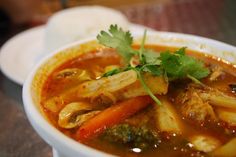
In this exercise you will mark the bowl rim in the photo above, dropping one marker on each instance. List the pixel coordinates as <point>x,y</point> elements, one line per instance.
<point>53,136</point>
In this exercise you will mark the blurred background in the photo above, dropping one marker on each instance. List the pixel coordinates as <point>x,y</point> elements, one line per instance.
<point>214,19</point>
<point>39,10</point>
<point>209,18</point>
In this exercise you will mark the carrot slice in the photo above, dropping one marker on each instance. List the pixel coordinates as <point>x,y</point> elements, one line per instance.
<point>111,116</point>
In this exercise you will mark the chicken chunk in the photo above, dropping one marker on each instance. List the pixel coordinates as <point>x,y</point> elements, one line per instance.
<point>194,107</point>
<point>205,143</point>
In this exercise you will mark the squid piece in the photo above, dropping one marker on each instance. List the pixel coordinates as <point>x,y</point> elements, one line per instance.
<point>166,118</point>
<point>226,115</point>
<point>75,114</point>
<point>227,150</point>
<point>205,143</point>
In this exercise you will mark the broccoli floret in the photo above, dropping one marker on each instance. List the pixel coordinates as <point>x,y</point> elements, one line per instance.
<point>134,137</point>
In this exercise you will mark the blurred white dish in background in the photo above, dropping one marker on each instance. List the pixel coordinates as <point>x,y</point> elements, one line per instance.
<point>78,23</point>
<point>19,54</point>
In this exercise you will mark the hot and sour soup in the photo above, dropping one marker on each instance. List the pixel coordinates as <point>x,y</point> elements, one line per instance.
<point>193,119</point>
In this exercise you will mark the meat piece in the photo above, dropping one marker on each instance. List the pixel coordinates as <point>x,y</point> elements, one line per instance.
<point>194,107</point>
<point>196,103</point>
<point>205,143</point>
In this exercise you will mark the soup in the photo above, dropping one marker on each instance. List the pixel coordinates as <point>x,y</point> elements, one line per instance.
<point>168,102</point>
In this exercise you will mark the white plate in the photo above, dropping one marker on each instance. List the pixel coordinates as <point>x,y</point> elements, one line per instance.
<point>20,53</point>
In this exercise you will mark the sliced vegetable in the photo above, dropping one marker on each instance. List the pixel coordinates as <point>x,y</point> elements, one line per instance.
<point>111,116</point>
<point>227,115</point>
<point>227,150</point>
<point>167,119</point>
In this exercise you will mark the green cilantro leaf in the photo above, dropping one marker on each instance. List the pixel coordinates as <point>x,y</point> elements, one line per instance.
<point>151,57</point>
<point>153,69</point>
<point>181,51</point>
<point>142,49</point>
<point>178,65</point>
<point>118,39</point>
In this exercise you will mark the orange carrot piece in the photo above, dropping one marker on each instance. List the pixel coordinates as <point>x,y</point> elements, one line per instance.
<point>111,116</point>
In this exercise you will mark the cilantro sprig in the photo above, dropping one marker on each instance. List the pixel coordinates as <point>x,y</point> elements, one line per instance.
<point>118,39</point>
<point>172,66</point>
<point>178,65</point>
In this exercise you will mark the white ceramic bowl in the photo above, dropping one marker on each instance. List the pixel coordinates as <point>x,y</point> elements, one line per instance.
<point>31,91</point>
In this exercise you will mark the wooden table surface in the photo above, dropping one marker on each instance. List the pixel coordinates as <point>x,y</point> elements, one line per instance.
<point>215,19</point>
